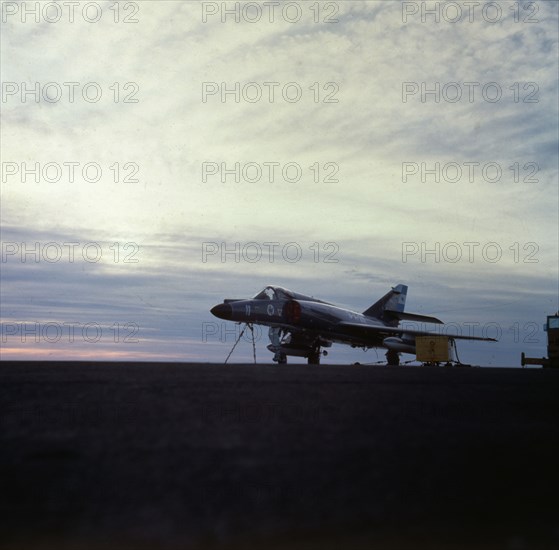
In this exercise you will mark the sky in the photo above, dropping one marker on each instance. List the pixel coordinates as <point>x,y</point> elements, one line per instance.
<point>158,157</point>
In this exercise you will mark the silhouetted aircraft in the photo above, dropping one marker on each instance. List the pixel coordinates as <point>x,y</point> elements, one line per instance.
<point>301,325</point>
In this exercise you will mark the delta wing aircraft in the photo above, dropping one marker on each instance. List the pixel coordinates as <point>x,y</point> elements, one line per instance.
<point>301,325</point>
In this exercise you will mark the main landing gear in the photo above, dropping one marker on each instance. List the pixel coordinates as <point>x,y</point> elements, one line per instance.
<point>392,358</point>
<point>314,356</point>
<point>282,345</point>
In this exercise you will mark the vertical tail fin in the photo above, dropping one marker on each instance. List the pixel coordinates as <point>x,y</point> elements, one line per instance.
<point>395,300</point>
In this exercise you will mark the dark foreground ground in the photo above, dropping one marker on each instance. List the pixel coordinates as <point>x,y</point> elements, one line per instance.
<point>171,456</point>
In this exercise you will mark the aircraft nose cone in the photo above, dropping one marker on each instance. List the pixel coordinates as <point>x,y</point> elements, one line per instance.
<point>223,311</point>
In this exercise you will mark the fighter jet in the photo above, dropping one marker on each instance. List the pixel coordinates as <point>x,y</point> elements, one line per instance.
<point>302,326</point>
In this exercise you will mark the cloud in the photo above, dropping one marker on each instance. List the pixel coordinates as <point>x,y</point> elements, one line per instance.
<point>350,153</point>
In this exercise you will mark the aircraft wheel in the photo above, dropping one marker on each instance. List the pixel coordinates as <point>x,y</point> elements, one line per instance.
<point>282,359</point>
<point>314,358</point>
<point>392,358</point>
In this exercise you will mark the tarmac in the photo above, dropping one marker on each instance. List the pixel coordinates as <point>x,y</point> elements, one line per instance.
<point>168,456</point>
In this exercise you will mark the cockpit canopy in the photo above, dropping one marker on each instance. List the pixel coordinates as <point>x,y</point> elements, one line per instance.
<point>274,293</point>
<point>279,293</point>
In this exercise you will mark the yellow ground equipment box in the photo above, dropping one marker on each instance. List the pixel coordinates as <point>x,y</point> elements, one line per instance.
<point>433,349</point>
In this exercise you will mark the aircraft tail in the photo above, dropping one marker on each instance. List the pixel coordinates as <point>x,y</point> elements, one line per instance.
<point>394,301</point>
<point>390,309</point>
